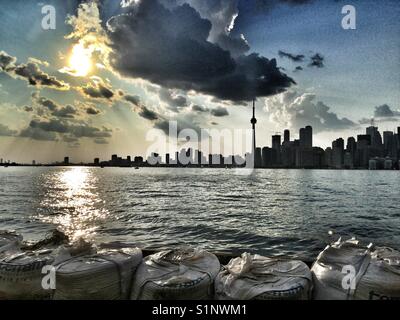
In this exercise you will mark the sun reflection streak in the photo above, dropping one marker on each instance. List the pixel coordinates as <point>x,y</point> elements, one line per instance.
<point>72,202</point>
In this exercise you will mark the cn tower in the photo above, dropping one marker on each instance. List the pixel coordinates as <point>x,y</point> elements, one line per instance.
<point>253,122</point>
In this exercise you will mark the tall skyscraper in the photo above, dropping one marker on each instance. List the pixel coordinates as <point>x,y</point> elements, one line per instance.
<point>376,138</point>
<point>286,136</point>
<point>306,137</point>
<point>276,142</point>
<point>253,123</point>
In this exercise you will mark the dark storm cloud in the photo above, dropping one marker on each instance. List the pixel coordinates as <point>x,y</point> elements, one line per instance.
<point>384,111</point>
<point>97,90</point>
<point>298,68</point>
<point>219,112</point>
<point>293,57</point>
<point>317,60</point>
<point>5,131</point>
<point>171,48</point>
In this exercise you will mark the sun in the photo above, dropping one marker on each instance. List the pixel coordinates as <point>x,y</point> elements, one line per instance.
<point>80,62</point>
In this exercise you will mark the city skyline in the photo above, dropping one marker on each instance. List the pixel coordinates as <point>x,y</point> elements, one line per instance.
<point>298,153</point>
<point>73,90</point>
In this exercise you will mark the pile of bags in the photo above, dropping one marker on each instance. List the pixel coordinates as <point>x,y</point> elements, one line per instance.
<point>347,270</point>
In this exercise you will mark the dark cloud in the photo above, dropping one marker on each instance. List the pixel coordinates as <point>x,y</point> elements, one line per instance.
<point>7,62</point>
<point>148,114</point>
<point>198,108</point>
<point>97,90</point>
<point>92,111</point>
<point>5,131</point>
<point>317,60</point>
<point>384,111</point>
<point>56,110</point>
<point>219,112</point>
<point>51,129</point>
<point>293,57</point>
<point>28,108</point>
<point>65,112</point>
<point>30,72</point>
<point>135,100</point>
<point>171,48</point>
<point>298,68</point>
<point>36,133</point>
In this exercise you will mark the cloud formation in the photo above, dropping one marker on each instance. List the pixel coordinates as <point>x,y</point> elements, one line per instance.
<point>5,131</point>
<point>293,57</point>
<point>384,111</point>
<point>317,60</point>
<point>30,72</point>
<point>293,110</point>
<point>171,47</point>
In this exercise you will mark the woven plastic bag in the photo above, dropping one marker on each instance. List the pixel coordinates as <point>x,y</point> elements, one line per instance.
<point>347,270</point>
<point>186,274</point>
<point>260,278</point>
<point>106,275</point>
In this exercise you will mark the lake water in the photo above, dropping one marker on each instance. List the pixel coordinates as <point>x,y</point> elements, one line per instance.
<point>272,212</point>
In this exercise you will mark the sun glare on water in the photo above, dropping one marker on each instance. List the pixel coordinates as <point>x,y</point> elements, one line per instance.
<point>80,60</point>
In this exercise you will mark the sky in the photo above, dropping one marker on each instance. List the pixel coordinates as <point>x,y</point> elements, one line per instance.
<point>112,72</point>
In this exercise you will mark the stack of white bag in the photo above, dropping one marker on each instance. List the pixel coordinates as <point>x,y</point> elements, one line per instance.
<point>175,275</point>
<point>260,278</point>
<point>346,270</point>
<point>106,275</point>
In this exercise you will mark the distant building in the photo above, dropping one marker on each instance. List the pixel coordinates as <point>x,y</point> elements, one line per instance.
<point>66,161</point>
<point>96,161</point>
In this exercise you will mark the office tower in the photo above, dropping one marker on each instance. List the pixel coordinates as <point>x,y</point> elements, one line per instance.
<point>276,142</point>
<point>309,137</point>
<point>388,139</point>
<point>276,147</point>
<point>286,136</point>
<point>96,161</point>
<point>376,138</point>
<point>258,158</point>
<point>306,137</point>
<point>338,153</point>
<point>66,161</point>
<point>114,159</point>
<point>266,157</point>
<point>128,160</point>
<point>253,122</point>
<point>167,159</point>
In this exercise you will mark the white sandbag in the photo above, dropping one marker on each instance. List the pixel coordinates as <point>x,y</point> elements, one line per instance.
<point>186,274</point>
<point>347,270</point>
<point>21,274</point>
<point>254,277</point>
<point>106,275</point>
<point>8,240</point>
